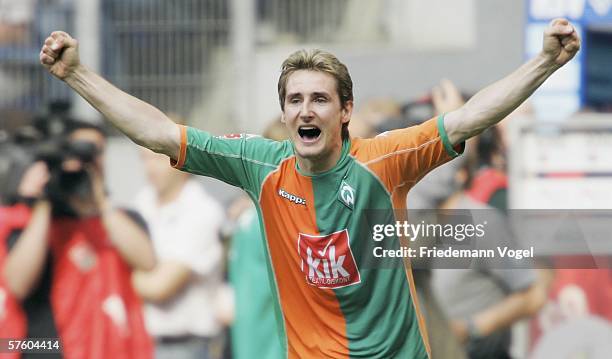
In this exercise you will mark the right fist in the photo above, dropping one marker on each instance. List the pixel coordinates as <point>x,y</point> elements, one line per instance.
<point>59,54</point>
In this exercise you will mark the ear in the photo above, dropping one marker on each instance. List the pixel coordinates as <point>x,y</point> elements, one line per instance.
<point>282,118</point>
<point>347,111</point>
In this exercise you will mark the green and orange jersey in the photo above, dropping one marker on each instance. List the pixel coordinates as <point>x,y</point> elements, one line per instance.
<point>331,303</point>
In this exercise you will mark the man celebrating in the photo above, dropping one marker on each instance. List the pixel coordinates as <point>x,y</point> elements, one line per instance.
<point>312,191</point>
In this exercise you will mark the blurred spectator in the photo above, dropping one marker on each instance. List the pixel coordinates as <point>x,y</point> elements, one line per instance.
<point>15,18</point>
<point>359,127</point>
<point>71,264</point>
<point>431,191</point>
<point>255,329</point>
<point>15,22</point>
<point>180,292</point>
<point>423,200</point>
<point>484,302</point>
<point>489,184</point>
<point>13,217</point>
<point>446,293</point>
<point>378,110</point>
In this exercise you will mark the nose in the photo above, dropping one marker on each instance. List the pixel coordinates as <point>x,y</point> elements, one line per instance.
<point>306,110</point>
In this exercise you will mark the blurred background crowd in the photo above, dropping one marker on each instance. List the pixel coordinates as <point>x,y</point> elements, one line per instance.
<point>126,257</point>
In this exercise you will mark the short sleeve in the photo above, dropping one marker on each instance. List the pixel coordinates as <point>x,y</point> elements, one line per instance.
<point>240,160</point>
<point>406,155</point>
<point>137,218</point>
<point>448,147</point>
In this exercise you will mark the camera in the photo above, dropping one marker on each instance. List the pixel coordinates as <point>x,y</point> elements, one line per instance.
<point>64,183</point>
<point>46,139</point>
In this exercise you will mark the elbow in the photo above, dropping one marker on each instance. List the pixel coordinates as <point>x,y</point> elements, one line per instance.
<point>159,138</point>
<point>161,284</point>
<point>18,292</point>
<point>141,255</point>
<point>159,296</point>
<point>472,121</point>
<point>538,304</point>
<point>16,287</point>
<point>154,293</point>
<point>149,287</point>
<point>146,262</point>
<point>150,260</point>
<point>146,140</point>
<point>459,125</point>
<point>150,263</point>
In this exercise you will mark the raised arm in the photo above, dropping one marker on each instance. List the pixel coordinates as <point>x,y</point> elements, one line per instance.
<point>498,100</point>
<point>26,260</point>
<point>142,123</point>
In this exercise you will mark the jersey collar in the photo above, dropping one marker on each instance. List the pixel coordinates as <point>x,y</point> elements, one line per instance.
<point>344,158</point>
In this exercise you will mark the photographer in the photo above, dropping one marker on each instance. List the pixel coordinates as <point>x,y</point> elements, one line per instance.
<point>12,317</point>
<point>72,263</point>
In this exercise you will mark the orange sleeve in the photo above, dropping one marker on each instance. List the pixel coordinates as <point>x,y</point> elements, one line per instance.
<point>402,157</point>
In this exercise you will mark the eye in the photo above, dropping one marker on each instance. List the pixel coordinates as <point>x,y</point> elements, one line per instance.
<point>320,99</point>
<point>294,100</point>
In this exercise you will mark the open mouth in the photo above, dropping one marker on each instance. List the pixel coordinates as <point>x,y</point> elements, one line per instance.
<point>309,133</point>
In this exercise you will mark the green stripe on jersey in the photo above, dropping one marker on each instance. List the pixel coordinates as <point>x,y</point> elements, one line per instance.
<point>445,140</point>
<point>381,321</point>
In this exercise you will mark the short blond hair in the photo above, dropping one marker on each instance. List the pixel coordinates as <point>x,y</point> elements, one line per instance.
<point>317,60</point>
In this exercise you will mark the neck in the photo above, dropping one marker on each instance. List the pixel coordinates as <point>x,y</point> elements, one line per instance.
<point>170,193</point>
<point>320,164</point>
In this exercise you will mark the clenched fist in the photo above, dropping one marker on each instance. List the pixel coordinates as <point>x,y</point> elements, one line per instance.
<point>59,54</point>
<point>561,42</point>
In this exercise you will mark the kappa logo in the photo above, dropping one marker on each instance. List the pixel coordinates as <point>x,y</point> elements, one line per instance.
<point>347,195</point>
<point>327,261</point>
<point>291,197</point>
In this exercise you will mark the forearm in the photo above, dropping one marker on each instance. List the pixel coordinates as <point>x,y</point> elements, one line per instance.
<point>141,122</point>
<point>162,283</point>
<point>498,100</point>
<point>130,240</point>
<point>26,259</point>
<point>513,308</point>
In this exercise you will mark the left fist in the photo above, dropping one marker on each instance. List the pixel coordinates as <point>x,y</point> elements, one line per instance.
<point>561,42</point>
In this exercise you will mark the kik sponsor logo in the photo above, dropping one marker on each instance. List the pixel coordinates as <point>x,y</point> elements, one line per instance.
<point>291,197</point>
<point>327,261</point>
